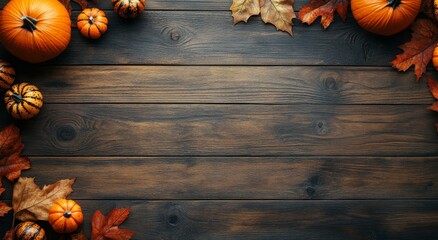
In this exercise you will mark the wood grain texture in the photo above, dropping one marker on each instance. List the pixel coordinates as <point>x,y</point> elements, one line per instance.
<point>332,220</point>
<point>197,5</point>
<point>241,178</point>
<point>231,130</point>
<point>218,84</point>
<point>209,38</point>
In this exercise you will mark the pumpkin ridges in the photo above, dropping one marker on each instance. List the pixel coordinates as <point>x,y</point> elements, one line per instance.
<point>92,23</point>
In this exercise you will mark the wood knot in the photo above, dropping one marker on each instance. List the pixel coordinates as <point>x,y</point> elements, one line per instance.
<point>330,84</point>
<point>173,220</point>
<point>322,128</point>
<point>175,36</point>
<point>65,133</point>
<point>310,191</point>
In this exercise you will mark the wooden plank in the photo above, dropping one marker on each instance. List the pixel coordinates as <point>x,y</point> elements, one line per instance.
<point>231,130</point>
<point>332,220</point>
<point>241,178</point>
<point>209,38</point>
<point>218,84</point>
<point>205,5</point>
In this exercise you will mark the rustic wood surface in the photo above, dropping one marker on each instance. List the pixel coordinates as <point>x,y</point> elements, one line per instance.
<point>214,131</point>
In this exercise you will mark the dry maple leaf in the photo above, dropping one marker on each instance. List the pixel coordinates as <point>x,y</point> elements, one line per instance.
<point>11,163</point>
<point>419,50</point>
<point>242,10</point>
<point>277,12</point>
<point>30,203</point>
<point>324,9</point>
<point>108,227</point>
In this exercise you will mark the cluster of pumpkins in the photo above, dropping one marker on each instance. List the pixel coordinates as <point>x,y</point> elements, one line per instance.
<point>65,217</point>
<point>39,30</point>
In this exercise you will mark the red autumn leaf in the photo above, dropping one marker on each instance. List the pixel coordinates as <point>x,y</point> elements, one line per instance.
<point>82,3</point>
<point>433,86</point>
<point>4,209</point>
<point>11,163</point>
<point>434,107</point>
<point>419,50</point>
<point>10,235</point>
<point>324,9</point>
<point>103,228</point>
<point>79,236</point>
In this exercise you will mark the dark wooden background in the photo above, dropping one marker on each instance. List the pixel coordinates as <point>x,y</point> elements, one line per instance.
<point>214,131</point>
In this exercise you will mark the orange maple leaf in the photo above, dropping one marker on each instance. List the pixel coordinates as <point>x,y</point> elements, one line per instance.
<point>279,13</point>
<point>419,50</point>
<point>103,228</point>
<point>11,163</point>
<point>324,9</point>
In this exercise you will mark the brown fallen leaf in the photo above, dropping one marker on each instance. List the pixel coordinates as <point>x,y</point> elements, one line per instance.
<point>419,50</point>
<point>325,9</point>
<point>277,12</point>
<point>11,163</point>
<point>103,228</point>
<point>242,10</point>
<point>30,203</point>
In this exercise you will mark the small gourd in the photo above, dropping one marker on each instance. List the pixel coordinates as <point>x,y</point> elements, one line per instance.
<point>65,216</point>
<point>128,8</point>
<point>7,75</point>
<point>435,57</point>
<point>92,23</point>
<point>23,101</point>
<point>29,231</point>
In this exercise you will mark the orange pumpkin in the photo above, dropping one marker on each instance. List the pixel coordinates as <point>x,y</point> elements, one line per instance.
<point>7,75</point>
<point>65,216</point>
<point>385,17</point>
<point>29,231</point>
<point>23,101</point>
<point>92,23</point>
<point>128,8</point>
<point>35,30</point>
<point>435,57</point>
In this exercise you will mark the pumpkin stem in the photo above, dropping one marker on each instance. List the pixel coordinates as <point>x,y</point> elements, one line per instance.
<point>393,3</point>
<point>29,23</point>
<point>67,214</point>
<point>91,20</point>
<point>17,98</point>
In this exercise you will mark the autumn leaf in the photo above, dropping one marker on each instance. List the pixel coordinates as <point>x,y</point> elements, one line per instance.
<point>10,235</point>
<point>11,163</point>
<point>242,10</point>
<point>30,203</point>
<point>277,12</point>
<point>419,50</point>
<point>427,8</point>
<point>103,228</point>
<point>4,209</point>
<point>82,3</point>
<point>325,9</point>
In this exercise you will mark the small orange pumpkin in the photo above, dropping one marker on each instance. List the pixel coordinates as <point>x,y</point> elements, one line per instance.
<point>435,57</point>
<point>92,23</point>
<point>7,75</point>
<point>35,30</point>
<point>385,17</point>
<point>29,231</point>
<point>23,101</point>
<point>65,216</point>
<point>128,8</point>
